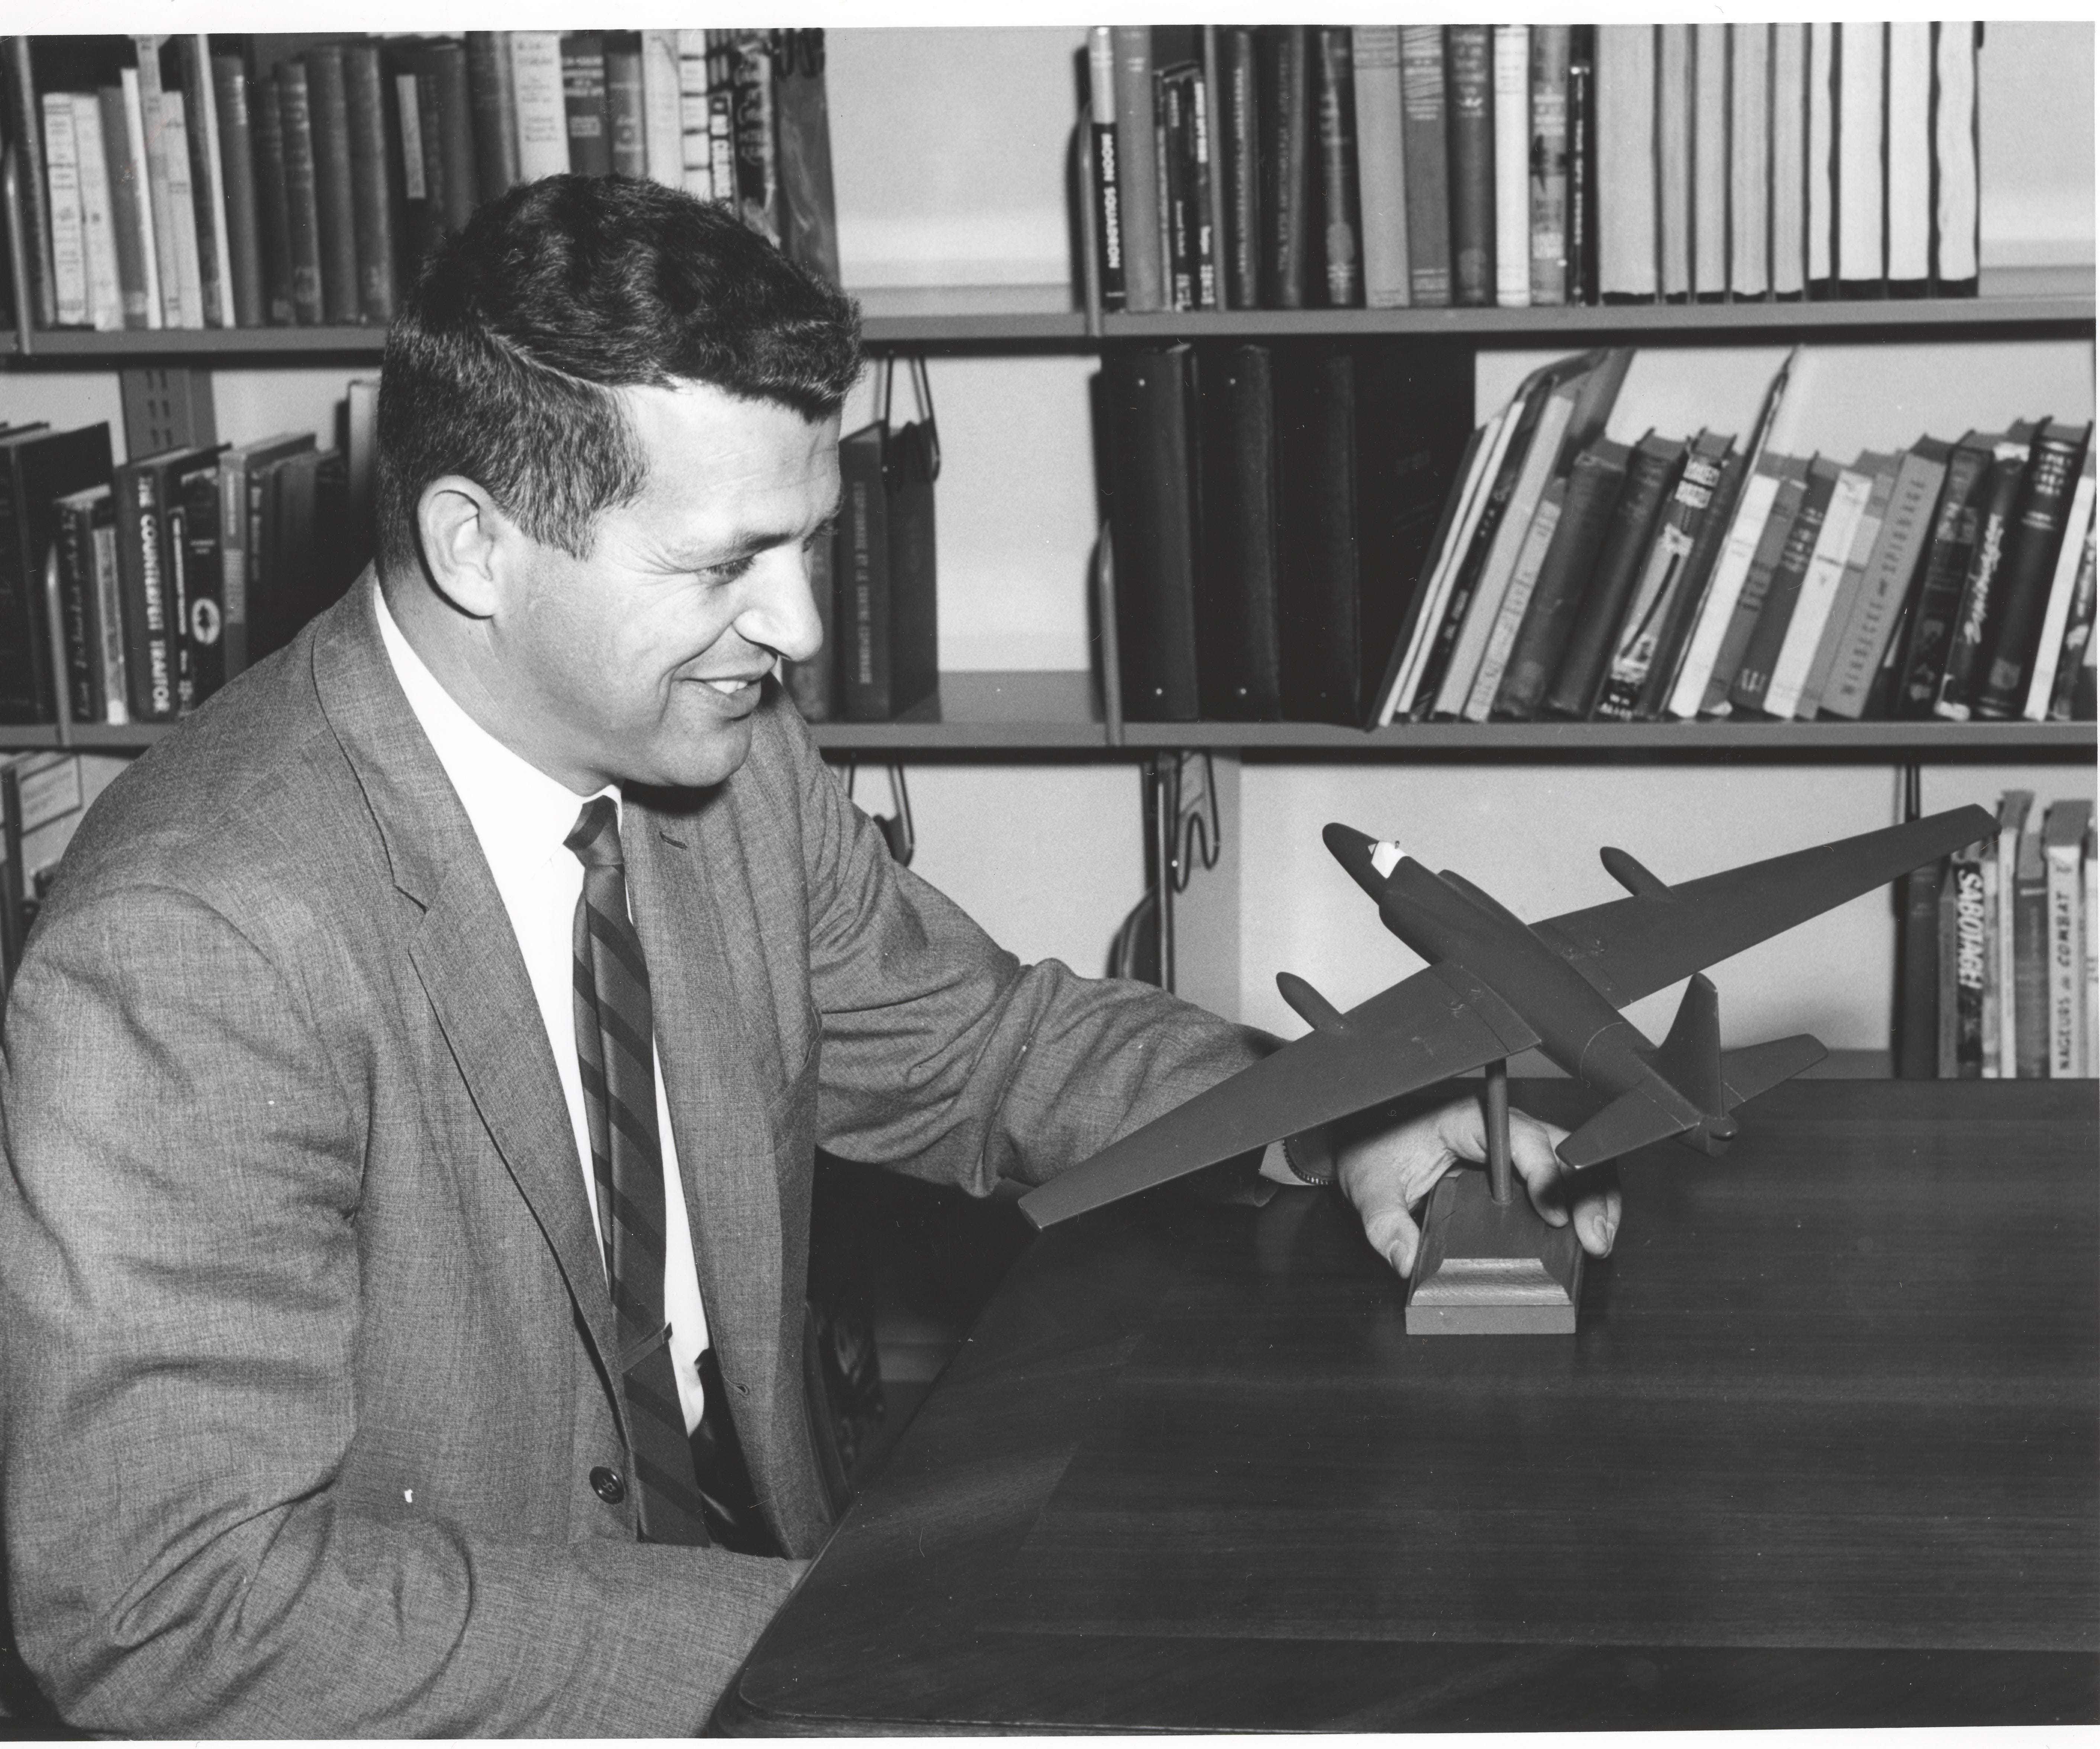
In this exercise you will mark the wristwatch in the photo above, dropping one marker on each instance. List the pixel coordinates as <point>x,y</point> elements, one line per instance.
<point>1308,1155</point>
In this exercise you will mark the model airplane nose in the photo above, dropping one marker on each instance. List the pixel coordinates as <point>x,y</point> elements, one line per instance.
<point>1353,851</point>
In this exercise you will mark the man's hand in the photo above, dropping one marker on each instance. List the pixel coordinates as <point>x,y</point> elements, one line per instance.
<point>1385,1173</point>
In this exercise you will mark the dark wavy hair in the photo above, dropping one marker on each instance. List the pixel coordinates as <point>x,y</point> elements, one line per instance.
<point>499,365</point>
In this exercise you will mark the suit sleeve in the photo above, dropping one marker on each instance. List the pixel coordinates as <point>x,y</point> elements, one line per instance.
<point>179,1295</point>
<point>944,1056</point>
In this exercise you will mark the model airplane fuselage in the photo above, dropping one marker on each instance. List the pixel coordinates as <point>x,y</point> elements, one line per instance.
<point>1455,924</point>
<point>1495,985</point>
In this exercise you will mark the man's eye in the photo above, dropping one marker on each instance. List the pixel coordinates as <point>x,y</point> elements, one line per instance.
<point>728,571</point>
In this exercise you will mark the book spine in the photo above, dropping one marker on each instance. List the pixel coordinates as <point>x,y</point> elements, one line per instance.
<point>69,233</point>
<point>1623,85</point>
<point>1423,159</point>
<point>1334,103</point>
<point>151,259</point>
<point>1996,958</point>
<point>1595,482</point>
<point>1981,590</point>
<point>126,215</point>
<point>422,158</point>
<point>1144,258</point>
<point>22,107</point>
<point>175,572</point>
<point>273,202</point>
<point>1757,583</point>
<point>207,180</point>
<point>237,162</point>
<point>2028,569</point>
<point>1381,172</point>
<point>1239,665</point>
<point>2062,598</point>
<point>1683,614</point>
<point>182,208</point>
<point>109,616</point>
<point>1955,524</point>
<point>1240,161</point>
<point>76,610</point>
<point>1788,197</point>
<point>582,104</point>
<point>1549,163</point>
<point>1487,686</point>
<point>1152,520</point>
<point>625,116</point>
<point>2074,671</point>
<point>1749,161</point>
<point>1906,158</point>
<point>1287,160</point>
<point>1511,123</point>
<point>204,620</point>
<point>1891,571</point>
<point>757,168</point>
<point>1709,162</point>
<point>493,96</point>
<point>1469,97</point>
<point>1862,175</point>
<point>864,549</point>
<point>1175,102</point>
<point>461,177</point>
<point>1817,593</point>
<point>1956,209</point>
<point>1582,164</point>
<point>301,193</point>
<point>1965,878</point>
<point>1319,630</point>
<point>149,649</point>
<point>1107,177</point>
<point>1673,161</point>
<point>1203,174</point>
<point>1917,1001</point>
<point>142,87</point>
<point>662,113</point>
<point>26,690</point>
<point>2066,962</point>
<point>1650,475</point>
<point>233,563</point>
<point>2031,960</point>
<point>1662,579</point>
<point>1837,625</point>
<point>543,128</point>
<point>377,217</point>
<point>335,205</point>
<point>1822,166</point>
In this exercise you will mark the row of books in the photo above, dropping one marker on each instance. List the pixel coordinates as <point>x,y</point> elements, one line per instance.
<point>1241,167</point>
<point>1296,537</point>
<point>2000,959</point>
<point>240,181</point>
<point>1579,577</point>
<point>129,593</point>
<point>43,798</point>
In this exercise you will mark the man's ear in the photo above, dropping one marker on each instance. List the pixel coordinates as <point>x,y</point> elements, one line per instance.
<point>463,530</point>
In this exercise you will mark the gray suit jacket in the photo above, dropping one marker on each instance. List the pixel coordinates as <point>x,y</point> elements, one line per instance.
<point>306,1341</point>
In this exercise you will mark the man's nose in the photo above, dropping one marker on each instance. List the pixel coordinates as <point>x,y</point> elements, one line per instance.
<point>782,612</point>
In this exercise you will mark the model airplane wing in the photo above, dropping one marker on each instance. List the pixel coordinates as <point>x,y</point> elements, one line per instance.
<point>1434,1024</point>
<point>1633,947</point>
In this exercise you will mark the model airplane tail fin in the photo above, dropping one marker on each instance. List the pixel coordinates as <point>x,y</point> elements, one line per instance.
<point>1746,1073</point>
<point>1690,1059</point>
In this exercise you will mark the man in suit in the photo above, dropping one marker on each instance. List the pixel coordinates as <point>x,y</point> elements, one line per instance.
<point>410,1092</point>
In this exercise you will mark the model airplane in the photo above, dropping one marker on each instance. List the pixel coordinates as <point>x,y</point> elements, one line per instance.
<point>1495,986</point>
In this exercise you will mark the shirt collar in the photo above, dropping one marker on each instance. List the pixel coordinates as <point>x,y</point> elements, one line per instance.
<point>519,813</point>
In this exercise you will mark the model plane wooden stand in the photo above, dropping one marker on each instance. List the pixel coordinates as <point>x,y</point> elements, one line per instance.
<point>1488,1266</point>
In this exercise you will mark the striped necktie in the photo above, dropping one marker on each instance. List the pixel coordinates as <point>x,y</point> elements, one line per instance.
<point>615,1038</point>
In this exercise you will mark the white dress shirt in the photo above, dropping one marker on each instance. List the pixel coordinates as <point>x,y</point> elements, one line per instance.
<point>522,815</point>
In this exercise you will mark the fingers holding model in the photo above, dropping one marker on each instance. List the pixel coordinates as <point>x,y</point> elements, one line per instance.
<point>1387,1173</point>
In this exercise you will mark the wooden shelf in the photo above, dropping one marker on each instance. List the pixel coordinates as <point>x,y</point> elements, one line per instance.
<point>22,738</point>
<point>1021,710</point>
<point>2036,303</point>
<point>1647,740</point>
<point>1057,711</point>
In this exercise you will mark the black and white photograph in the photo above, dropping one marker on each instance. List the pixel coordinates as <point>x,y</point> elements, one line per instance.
<point>914,875</point>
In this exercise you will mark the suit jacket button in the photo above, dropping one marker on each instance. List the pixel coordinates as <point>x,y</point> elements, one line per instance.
<point>607,1485</point>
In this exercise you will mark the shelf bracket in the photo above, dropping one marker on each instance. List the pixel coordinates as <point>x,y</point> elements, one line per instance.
<point>167,407</point>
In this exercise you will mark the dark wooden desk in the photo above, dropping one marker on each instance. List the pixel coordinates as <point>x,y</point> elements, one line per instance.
<point>1824,1452</point>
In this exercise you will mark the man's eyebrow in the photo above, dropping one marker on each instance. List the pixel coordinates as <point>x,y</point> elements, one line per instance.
<point>741,543</point>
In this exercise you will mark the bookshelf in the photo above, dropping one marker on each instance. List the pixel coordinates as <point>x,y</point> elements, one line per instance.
<point>992,719</point>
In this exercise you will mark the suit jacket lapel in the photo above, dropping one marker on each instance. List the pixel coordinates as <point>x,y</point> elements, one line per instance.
<point>463,952</point>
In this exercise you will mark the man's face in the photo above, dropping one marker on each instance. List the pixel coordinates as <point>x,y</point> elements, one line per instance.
<point>642,662</point>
